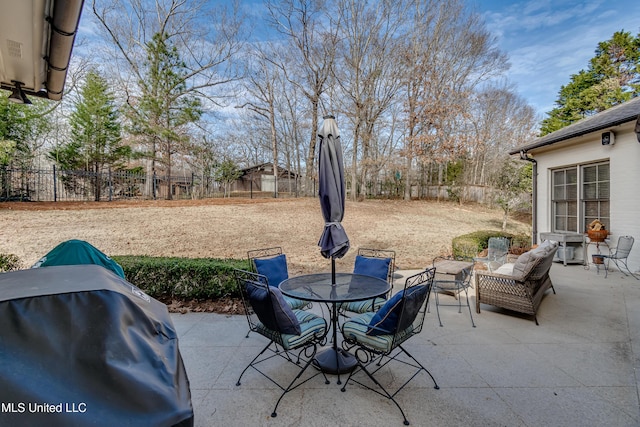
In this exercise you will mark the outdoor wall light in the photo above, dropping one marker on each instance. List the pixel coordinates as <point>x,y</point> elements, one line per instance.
<point>17,95</point>
<point>637,129</point>
<point>608,138</point>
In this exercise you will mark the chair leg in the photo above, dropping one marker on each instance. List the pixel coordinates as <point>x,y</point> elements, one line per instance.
<point>385,393</point>
<point>469,307</point>
<point>290,386</point>
<point>437,309</point>
<point>251,363</point>
<point>624,262</point>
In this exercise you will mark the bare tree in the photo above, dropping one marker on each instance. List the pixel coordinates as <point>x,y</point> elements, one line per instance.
<point>498,120</point>
<point>368,73</point>
<point>262,87</point>
<point>312,34</point>
<point>449,53</point>
<point>171,62</point>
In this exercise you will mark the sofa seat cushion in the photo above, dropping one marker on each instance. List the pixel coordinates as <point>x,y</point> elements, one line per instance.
<point>506,269</point>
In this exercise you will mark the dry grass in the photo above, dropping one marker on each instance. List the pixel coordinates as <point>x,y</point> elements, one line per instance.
<point>417,230</point>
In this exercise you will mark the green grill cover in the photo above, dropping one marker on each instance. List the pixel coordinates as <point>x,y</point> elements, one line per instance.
<point>77,252</point>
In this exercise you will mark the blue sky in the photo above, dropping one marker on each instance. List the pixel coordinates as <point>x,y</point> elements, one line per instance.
<point>547,41</point>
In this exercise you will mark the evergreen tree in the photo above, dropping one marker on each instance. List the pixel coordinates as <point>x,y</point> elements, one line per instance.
<point>96,143</point>
<point>227,173</point>
<point>613,77</point>
<point>166,106</point>
<point>20,127</point>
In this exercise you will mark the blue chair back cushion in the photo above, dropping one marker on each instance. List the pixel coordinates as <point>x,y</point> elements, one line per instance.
<point>386,320</point>
<point>274,268</point>
<point>278,316</point>
<point>376,267</point>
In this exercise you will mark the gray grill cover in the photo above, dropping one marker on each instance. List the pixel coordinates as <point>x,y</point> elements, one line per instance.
<point>80,346</point>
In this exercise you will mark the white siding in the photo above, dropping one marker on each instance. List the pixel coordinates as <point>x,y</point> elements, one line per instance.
<point>624,160</point>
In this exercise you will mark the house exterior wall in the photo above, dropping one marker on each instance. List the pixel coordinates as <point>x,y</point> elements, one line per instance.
<point>624,161</point>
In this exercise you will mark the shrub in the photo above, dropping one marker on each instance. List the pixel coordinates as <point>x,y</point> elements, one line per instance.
<point>9,262</point>
<point>471,244</point>
<point>182,278</point>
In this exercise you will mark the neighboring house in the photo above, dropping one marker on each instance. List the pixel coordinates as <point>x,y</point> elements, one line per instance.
<point>589,170</point>
<point>261,178</point>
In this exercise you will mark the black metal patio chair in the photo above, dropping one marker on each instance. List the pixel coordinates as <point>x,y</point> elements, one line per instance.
<point>455,286</point>
<point>619,256</point>
<point>272,262</point>
<point>294,335</point>
<point>377,338</point>
<point>378,263</point>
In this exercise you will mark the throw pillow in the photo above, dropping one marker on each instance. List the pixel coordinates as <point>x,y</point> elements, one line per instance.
<point>275,269</point>
<point>524,264</point>
<point>278,317</point>
<point>376,267</point>
<point>542,247</point>
<point>385,321</point>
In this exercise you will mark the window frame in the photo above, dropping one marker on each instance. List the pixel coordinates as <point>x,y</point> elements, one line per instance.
<point>564,205</point>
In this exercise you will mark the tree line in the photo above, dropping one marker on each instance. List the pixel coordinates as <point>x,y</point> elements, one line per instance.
<point>419,88</point>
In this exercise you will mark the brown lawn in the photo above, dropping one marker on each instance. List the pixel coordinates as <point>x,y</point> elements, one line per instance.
<point>226,228</point>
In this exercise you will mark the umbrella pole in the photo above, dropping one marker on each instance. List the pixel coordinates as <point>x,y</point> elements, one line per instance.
<point>333,271</point>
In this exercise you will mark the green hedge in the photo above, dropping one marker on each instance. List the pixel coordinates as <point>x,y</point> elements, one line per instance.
<point>182,278</point>
<point>473,243</point>
<point>9,262</point>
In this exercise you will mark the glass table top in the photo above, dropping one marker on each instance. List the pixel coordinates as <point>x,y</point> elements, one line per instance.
<point>347,287</point>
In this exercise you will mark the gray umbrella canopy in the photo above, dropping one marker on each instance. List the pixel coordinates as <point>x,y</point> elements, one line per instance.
<point>334,242</point>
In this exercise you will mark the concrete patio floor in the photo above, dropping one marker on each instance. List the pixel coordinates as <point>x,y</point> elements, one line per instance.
<point>577,368</point>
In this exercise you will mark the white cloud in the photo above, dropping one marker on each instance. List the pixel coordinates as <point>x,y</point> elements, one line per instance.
<point>548,41</point>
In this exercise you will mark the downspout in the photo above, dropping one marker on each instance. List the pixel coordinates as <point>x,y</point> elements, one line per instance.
<point>534,196</point>
<point>63,24</point>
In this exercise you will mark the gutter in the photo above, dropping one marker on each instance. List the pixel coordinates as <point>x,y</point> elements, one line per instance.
<point>534,196</point>
<point>63,29</point>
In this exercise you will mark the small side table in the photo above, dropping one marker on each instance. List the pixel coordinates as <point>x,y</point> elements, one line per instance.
<point>573,239</point>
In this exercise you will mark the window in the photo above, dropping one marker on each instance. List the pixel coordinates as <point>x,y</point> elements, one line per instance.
<point>565,199</point>
<point>595,193</point>
<point>593,201</point>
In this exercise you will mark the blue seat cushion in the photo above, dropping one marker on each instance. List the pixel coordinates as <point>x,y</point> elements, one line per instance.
<point>275,269</point>
<point>376,267</point>
<point>272,310</point>
<point>385,320</point>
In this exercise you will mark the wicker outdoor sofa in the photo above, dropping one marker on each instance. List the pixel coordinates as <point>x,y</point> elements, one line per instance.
<point>518,286</point>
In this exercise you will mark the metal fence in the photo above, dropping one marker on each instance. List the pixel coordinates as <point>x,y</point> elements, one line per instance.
<point>46,185</point>
<point>52,184</point>
<point>62,185</point>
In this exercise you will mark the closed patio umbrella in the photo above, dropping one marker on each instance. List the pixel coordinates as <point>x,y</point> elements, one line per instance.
<point>333,242</point>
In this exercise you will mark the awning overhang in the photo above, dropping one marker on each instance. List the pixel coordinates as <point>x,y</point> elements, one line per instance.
<point>36,41</point>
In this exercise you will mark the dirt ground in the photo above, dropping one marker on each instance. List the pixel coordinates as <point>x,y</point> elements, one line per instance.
<point>226,228</point>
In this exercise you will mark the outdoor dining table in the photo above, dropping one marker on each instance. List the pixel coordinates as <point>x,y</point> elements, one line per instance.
<point>347,287</point>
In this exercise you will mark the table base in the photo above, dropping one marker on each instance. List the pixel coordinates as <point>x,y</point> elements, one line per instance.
<point>334,361</point>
